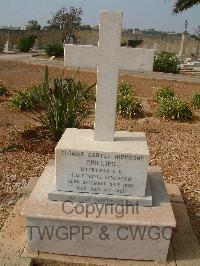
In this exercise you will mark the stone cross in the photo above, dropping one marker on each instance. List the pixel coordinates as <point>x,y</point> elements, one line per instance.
<point>186,24</point>
<point>108,57</point>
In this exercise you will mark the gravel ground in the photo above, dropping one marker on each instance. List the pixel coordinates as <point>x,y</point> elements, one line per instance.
<point>25,148</point>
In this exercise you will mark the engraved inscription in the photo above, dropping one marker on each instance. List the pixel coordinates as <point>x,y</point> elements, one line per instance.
<point>95,172</point>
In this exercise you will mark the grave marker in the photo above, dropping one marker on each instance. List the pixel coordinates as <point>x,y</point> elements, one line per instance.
<point>92,168</point>
<point>108,57</point>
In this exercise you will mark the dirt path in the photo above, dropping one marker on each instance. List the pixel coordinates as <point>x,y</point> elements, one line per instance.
<point>19,74</point>
<point>29,58</point>
<point>173,146</point>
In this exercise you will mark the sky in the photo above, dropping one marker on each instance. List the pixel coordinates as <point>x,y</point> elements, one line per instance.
<point>143,14</point>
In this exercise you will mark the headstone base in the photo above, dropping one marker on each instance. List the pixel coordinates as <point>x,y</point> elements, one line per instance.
<point>56,195</point>
<point>60,228</point>
<point>117,167</point>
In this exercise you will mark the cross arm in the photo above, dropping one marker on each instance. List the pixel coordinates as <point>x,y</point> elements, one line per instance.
<point>136,59</point>
<point>81,56</point>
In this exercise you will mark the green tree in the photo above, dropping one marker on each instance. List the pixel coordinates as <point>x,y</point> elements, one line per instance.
<point>85,27</point>
<point>25,43</point>
<point>51,26</point>
<point>33,25</point>
<point>182,5</point>
<point>67,19</point>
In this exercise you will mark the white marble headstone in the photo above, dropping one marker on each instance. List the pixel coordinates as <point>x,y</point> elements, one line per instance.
<point>108,57</point>
<point>87,166</point>
<point>101,161</point>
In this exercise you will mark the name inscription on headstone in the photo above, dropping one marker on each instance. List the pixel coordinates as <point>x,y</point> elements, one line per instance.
<point>95,172</point>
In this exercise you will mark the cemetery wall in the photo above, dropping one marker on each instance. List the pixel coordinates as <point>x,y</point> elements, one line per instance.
<point>170,44</point>
<point>43,36</point>
<point>167,43</point>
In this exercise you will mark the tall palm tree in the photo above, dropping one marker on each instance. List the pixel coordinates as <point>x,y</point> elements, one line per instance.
<point>181,5</point>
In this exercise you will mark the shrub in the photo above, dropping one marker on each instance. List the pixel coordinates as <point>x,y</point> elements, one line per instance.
<point>167,62</point>
<point>128,103</point>
<point>3,88</point>
<point>64,103</point>
<point>196,99</point>
<point>26,99</point>
<point>61,103</point>
<point>175,109</point>
<point>54,49</point>
<point>134,43</point>
<point>25,43</point>
<point>163,92</point>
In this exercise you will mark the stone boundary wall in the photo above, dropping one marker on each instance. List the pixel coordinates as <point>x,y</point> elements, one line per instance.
<point>159,43</point>
<point>43,36</point>
<point>170,44</point>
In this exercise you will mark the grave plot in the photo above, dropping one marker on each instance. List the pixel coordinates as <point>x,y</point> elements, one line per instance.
<point>117,174</point>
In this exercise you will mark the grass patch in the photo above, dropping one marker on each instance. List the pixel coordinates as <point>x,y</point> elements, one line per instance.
<point>174,109</point>
<point>3,89</point>
<point>196,99</point>
<point>167,62</point>
<point>164,92</point>
<point>128,104</point>
<point>26,99</point>
<point>54,49</point>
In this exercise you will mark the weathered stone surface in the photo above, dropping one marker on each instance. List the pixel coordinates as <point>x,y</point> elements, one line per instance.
<point>149,121</point>
<point>156,223</point>
<point>185,244</point>
<point>57,195</point>
<point>148,111</point>
<point>183,47</point>
<point>8,47</point>
<point>186,254</point>
<point>29,188</point>
<point>117,167</point>
<point>174,193</point>
<point>45,259</point>
<point>109,57</point>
